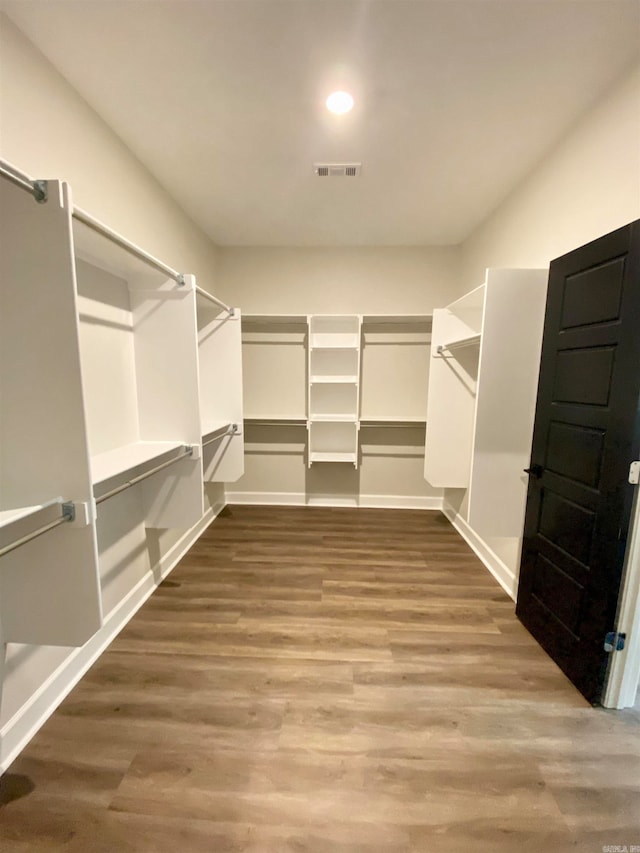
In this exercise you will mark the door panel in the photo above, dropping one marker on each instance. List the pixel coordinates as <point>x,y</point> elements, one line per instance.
<point>575,452</point>
<point>585,436</point>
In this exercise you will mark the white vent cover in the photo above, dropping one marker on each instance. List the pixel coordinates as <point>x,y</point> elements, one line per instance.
<point>337,170</point>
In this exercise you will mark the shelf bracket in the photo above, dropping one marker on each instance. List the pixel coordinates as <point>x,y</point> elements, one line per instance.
<point>41,191</point>
<point>69,511</point>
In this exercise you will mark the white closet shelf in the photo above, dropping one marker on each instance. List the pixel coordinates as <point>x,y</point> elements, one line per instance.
<point>276,418</point>
<point>334,340</point>
<point>125,459</point>
<point>333,418</point>
<point>459,343</point>
<point>274,318</point>
<point>394,319</point>
<point>328,456</point>
<point>372,420</point>
<point>20,525</point>
<point>8,516</point>
<point>333,380</point>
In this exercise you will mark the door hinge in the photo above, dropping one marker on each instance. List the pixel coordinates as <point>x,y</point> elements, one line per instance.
<point>614,642</point>
<point>634,473</point>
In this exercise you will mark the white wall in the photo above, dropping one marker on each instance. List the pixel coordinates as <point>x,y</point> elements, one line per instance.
<point>587,186</point>
<point>337,281</point>
<point>48,131</point>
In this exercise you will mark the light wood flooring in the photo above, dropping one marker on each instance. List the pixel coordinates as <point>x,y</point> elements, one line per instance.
<point>314,680</point>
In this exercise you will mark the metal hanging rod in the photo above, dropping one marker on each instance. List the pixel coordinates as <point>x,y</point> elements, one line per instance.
<point>119,240</point>
<point>218,302</point>
<point>229,429</point>
<point>38,189</point>
<point>68,514</point>
<point>188,451</point>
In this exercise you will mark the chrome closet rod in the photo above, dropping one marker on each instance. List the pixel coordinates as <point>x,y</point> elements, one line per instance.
<point>68,514</point>
<point>16,178</point>
<point>230,429</point>
<point>187,452</point>
<point>119,240</point>
<point>38,189</point>
<point>219,302</point>
<point>364,424</point>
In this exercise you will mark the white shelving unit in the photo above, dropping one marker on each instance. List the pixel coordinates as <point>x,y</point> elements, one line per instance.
<point>485,359</point>
<point>334,388</point>
<point>453,375</point>
<point>49,585</point>
<point>100,420</point>
<point>220,379</point>
<point>140,376</point>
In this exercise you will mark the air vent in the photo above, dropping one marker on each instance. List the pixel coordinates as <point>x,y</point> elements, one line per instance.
<point>337,170</point>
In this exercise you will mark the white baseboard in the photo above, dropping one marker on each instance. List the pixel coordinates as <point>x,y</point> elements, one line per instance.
<point>302,499</point>
<point>501,572</point>
<point>18,731</point>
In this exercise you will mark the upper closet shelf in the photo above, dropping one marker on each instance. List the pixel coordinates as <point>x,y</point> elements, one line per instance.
<point>397,319</point>
<point>459,343</point>
<point>272,319</point>
<point>130,457</point>
<point>101,246</point>
<point>22,524</point>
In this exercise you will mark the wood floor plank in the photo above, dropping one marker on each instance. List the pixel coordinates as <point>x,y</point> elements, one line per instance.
<point>326,680</point>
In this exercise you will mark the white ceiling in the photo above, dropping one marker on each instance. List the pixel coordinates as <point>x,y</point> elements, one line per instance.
<point>222,100</point>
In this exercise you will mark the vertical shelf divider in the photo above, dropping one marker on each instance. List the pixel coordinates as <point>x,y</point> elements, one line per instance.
<point>335,347</point>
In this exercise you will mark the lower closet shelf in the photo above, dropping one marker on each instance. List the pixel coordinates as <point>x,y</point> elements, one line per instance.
<point>8,516</point>
<point>21,523</point>
<point>129,458</point>
<point>328,456</point>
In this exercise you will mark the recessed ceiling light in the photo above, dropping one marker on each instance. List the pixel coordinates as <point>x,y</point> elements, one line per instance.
<point>339,102</point>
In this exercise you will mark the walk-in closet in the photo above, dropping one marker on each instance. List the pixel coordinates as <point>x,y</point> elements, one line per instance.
<point>319,448</point>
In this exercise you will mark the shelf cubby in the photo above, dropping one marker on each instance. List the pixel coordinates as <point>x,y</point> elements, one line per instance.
<point>220,391</point>
<point>334,364</point>
<point>333,441</point>
<point>139,360</point>
<point>333,397</point>
<point>334,332</point>
<point>334,388</point>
